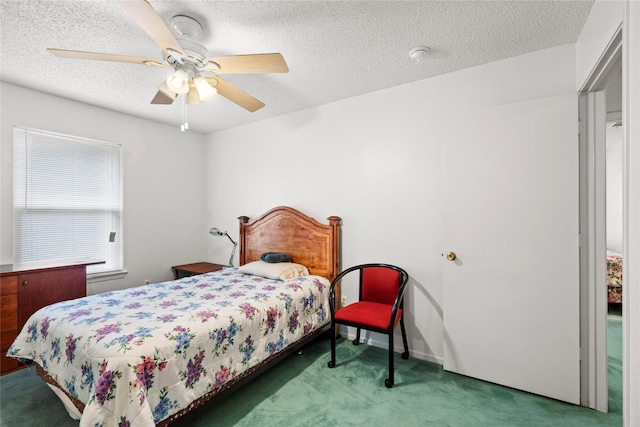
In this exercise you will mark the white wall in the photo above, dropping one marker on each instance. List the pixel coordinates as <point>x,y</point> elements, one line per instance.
<point>163,181</point>
<point>374,160</point>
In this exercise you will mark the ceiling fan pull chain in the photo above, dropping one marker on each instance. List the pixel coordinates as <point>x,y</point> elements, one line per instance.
<point>182,124</point>
<point>185,125</point>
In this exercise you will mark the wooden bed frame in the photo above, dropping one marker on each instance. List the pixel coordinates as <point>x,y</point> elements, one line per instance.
<point>287,230</point>
<point>282,229</point>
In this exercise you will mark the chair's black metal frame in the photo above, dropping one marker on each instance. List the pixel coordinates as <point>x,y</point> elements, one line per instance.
<point>398,304</point>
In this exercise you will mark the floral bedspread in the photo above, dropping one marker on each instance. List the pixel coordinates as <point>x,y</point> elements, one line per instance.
<point>138,355</point>
<point>614,278</point>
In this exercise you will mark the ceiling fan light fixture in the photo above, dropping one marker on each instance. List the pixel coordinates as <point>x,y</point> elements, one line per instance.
<point>193,97</point>
<point>178,82</point>
<point>205,90</point>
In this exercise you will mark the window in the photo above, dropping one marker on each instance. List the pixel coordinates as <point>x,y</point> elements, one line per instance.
<point>67,199</point>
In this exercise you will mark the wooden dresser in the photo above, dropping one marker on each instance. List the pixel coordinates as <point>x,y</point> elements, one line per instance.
<point>26,288</point>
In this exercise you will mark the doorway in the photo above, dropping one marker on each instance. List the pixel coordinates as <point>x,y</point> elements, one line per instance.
<point>614,229</point>
<point>601,97</point>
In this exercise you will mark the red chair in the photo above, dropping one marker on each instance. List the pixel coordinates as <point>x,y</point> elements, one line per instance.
<point>379,308</point>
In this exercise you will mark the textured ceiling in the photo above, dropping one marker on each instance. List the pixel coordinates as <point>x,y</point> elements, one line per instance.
<point>334,49</point>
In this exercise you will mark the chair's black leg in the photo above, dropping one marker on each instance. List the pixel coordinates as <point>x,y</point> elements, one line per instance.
<point>357,340</point>
<point>332,362</point>
<point>389,381</point>
<point>405,355</point>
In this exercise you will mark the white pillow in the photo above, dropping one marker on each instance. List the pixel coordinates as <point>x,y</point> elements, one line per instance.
<point>278,270</point>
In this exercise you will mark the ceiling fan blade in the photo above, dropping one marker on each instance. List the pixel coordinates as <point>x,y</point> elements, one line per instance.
<point>162,99</point>
<point>235,95</point>
<point>256,63</point>
<point>145,15</point>
<point>95,56</point>
<point>165,95</point>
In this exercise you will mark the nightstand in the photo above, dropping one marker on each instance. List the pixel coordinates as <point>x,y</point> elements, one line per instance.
<point>186,270</point>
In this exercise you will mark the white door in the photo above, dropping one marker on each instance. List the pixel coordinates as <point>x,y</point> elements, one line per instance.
<point>511,296</point>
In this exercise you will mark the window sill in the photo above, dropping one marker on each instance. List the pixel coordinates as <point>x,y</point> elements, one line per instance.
<point>108,275</point>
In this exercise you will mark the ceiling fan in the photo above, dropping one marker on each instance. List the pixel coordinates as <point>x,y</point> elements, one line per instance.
<point>196,75</point>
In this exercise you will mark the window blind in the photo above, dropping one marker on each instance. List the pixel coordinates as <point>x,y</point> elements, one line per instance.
<point>67,199</point>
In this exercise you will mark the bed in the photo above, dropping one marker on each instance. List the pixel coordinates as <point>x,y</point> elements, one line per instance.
<point>148,355</point>
<point>614,278</point>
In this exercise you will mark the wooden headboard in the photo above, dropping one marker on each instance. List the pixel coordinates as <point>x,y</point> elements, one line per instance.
<point>284,229</point>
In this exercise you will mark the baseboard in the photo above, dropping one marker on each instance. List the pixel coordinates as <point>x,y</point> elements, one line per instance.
<point>379,340</point>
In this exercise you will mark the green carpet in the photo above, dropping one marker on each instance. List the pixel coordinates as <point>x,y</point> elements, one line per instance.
<point>302,391</point>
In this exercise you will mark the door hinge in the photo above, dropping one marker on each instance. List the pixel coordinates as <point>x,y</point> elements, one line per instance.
<point>582,131</point>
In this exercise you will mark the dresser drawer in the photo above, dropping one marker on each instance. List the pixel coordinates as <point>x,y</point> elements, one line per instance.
<point>7,363</point>
<point>8,285</point>
<point>6,339</point>
<point>9,313</point>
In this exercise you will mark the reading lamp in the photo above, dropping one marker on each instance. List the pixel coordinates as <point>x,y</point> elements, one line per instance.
<point>216,232</point>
